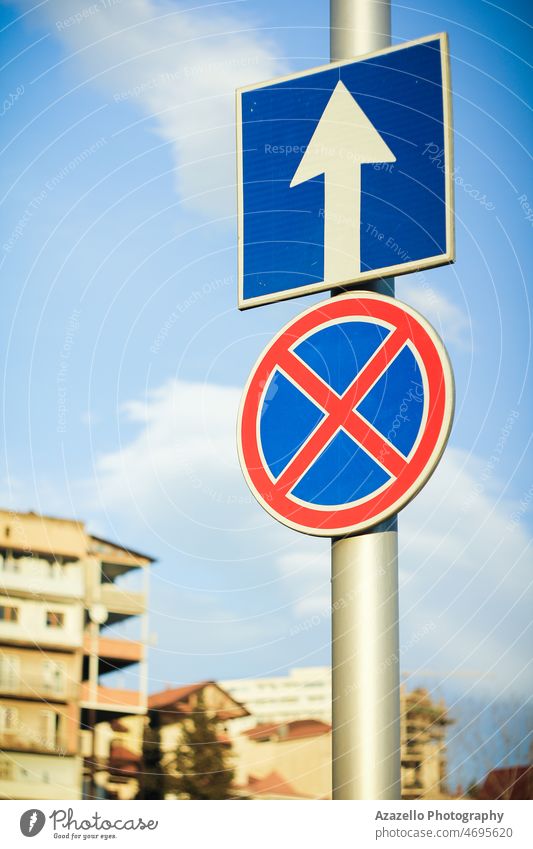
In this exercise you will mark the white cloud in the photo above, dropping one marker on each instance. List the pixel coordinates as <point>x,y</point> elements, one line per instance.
<point>306,572</point>
<point>181,69</point>
<point>463,560</point>
<point>181,476</point>
<point>183,459</point>
<point>452,324</point>
<point>467,572</point>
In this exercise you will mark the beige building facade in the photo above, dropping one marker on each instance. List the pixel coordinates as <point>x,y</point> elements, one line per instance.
<point>60,590</point>
<point>297,752</point>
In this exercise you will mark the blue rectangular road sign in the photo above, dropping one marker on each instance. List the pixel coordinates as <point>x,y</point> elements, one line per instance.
<point>335,182</point>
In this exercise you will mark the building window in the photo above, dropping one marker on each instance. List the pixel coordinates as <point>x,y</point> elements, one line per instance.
<point>8,613</point>
<point>53,677</point>
<point>54,619</point>
<point>8,562</point>
<point>48,727</point>
<point>6,771</point>
<point>55,569</point>
<point>9,671</point>
<point>8,720</point>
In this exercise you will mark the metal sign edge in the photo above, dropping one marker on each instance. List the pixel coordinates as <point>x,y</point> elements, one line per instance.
<point>445,258</point>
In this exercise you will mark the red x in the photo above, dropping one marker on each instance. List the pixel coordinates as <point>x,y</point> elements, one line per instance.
<point>340,412</point>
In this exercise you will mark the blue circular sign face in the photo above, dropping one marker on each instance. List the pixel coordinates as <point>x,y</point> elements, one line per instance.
<point>344,472</point>
<point>346,414</point>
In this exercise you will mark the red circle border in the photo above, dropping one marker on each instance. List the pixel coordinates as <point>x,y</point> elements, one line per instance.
<point>440,401</point>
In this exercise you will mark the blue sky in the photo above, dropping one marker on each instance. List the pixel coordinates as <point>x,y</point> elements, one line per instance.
<point>124,354</point>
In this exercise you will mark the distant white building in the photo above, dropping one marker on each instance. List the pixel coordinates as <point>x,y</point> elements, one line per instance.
<point>304,693</point>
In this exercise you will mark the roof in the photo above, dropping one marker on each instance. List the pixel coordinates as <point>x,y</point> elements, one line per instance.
<point>273,784</point>
<point>512,782</point>
<point>31,514</point>
<point>167,698</point>
<point>120,754</point>
<point>175,699</point>
<point>297,729</point>
<point>127,549</point>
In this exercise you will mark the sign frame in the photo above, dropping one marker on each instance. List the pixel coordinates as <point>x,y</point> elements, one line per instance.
<point>388,271</point>
<point>444,428</point>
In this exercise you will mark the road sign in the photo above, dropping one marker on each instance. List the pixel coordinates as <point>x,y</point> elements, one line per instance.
<point>335,181</point>
<point>346,414</point>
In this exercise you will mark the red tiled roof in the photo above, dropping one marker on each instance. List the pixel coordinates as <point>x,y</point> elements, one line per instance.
<point>262,731</point>
<point>273,784</point>
<point>508,783</point>
<point>170,698</point>
<point>167,698</point>
<point>308,728</point>
<point>297,729</point>
<point>120,754</point>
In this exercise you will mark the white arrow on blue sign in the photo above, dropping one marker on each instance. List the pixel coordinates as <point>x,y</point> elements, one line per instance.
<point>335,182</point>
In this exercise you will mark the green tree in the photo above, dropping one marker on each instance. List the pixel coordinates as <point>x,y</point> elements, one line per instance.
<point>202,763</point>
<point>472,791</point>
<point>152,774</point>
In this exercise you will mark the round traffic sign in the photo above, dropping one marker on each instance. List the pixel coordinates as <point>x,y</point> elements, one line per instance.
<point>345,414</point>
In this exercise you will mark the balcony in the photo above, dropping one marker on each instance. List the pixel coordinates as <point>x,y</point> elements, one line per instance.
<point>24,789</point>
<point>122,601</point>
<point>29,631</point>
<point>33,687</point>
<point>29,740</point>
<point>116,652</point>
<point>115,559</point>
<point>413,791</point>
<point>111,699</point>
<point>31,583</point>
<point>416,753</point>
<point>46,776</point>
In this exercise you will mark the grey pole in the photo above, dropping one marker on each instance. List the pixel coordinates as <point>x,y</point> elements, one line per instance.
<point>364,568</point>
<point>357,27</point>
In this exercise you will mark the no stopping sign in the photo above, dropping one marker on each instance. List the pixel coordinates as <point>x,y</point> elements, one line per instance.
<point>345,414</point>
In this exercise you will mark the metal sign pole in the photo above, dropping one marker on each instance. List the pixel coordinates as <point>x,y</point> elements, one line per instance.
<point>365,631</point>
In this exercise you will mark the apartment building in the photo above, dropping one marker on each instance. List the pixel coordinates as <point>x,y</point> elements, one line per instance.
<point>423,741</point>
<point>62,593</point>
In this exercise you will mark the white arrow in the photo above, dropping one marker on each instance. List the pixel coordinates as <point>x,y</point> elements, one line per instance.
<point>344,140</point>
